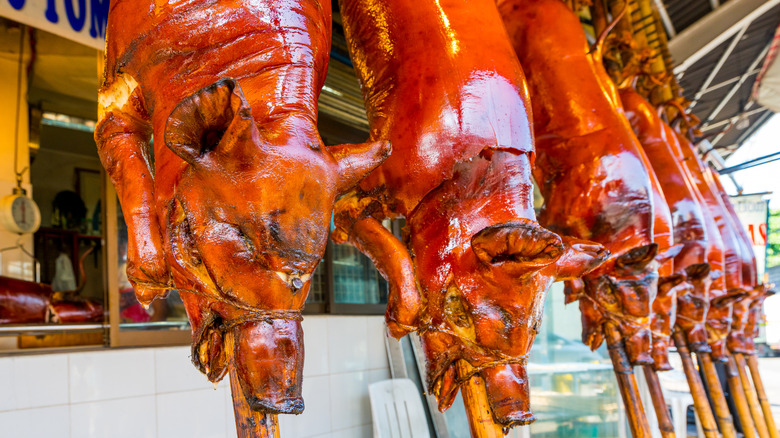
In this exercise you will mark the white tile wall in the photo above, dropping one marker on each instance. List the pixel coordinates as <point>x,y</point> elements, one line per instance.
<point>156,392</point>
<point>105,375</point>
<point>348,346</point>
<point>132,417</point>
<point>52,421</point>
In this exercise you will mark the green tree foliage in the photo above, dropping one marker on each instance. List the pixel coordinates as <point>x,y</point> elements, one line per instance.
<point>773,250</point>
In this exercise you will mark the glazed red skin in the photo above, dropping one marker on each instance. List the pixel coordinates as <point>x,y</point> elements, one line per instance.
<point>729,288</point>
<point>237,212</point>
<point>442,83</point>
<point>585,141</point>
<point>688,230</point>
<point>23,302</point>
<point>755,317</point>
<point>27,302</point>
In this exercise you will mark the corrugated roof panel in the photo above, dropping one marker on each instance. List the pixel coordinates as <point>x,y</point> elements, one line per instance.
<point>684,13</point>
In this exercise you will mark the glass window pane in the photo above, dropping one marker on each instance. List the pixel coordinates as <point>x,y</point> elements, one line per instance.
<point>161,314</point>
<point>355,279</point>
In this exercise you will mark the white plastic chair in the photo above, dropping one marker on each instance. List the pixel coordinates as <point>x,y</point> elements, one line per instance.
<point>397,410</point>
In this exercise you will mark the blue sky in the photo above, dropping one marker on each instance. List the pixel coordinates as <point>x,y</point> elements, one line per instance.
<point>764,178</point>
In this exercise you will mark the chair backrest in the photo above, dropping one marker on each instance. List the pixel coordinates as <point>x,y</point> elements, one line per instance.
<point>397,410</point>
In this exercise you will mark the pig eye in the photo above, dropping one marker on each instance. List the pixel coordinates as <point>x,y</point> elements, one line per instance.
<point>189,243</point>
<point>250,247</point>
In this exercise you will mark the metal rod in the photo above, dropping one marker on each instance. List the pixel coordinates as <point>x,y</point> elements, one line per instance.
<point>752,163</point>
<point>27,329</point>
<point>478,410</point>
<point>736,86</point>
<point>752,363</point>
<point>624,372</point>
<point>725,421</point>
<point>752,399</point>
<point>665,424</point>
<point>700,402</point>
<point>719,65</point>
<point>740,401</point>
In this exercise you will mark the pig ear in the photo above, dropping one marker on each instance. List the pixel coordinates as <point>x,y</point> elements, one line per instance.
<point>669,253</point>
<point>670,281</point>
<point>217,115</point>
<point>637,258</point>
<point>731,297</point>
<point>581,257</point>
<point>519,246</point>
<point>358,160</point>
<point>698,271</point>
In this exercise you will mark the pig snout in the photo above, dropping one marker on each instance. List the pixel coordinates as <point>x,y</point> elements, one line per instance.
<point>508,394</point>
<point>638,347</point>
<point>269,360</point>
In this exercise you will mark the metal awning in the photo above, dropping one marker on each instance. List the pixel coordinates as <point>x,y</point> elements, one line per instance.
<point>718,49</point>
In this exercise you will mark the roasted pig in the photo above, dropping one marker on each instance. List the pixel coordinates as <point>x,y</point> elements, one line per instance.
<point>442,83</point>
<point>585,142</point>
<point>232,204</point>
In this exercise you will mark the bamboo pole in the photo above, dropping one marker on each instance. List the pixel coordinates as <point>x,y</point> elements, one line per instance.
<point>665,424</point>
<point>725,421</point>
<point>752,363</point>
<point>700,402</point>
<point>750,393</point>
<point>478,409</point>
<point>738,395</point>
<point>635,412</point>
<point>249,423</point>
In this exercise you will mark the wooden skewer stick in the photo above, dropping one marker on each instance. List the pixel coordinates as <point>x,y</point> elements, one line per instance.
<point>750,393</point>
<point>700,402</point>
<point>661,412</point>
<point>752,363</point>
<point>635,412</point>
<point>249,423</point>
<point>743,411</point>
<point>725,421</point>
<point>478,409</point>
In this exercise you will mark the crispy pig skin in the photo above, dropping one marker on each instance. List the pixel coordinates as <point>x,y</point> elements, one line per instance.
<point>585,142</point>
<point>232,207</point>
<point>689,231</point>
<point>441,82</point>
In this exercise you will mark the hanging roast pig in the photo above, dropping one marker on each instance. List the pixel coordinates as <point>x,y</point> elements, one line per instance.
<point>232,204</point>
<point>590,168</point>
<point>727,289</point>
<point>442,83</point>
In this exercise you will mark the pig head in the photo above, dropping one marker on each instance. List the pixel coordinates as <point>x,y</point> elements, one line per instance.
<point>755,318</point>
<point>692,307</point>
<point>670,289</point>
<point>719,320</point>
<point>232,204</point>
<point>247,226</point>
<point>490,276</point>
<point>622,292</point>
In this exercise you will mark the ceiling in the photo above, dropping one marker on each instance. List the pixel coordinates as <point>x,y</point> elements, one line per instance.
<point>718,48</point>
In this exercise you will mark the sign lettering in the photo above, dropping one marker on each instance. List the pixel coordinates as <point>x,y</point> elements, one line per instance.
<point>85,21</point>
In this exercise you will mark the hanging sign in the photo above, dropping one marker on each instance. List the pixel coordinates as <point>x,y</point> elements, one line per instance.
<point>82,21</point>
<point>753,212</point>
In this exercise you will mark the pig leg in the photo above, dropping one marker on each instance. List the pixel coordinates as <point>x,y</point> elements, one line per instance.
<point>122,136</point>
<point>393,261</point>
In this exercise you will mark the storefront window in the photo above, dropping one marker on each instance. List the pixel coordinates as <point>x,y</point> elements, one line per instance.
<point>355,280</point>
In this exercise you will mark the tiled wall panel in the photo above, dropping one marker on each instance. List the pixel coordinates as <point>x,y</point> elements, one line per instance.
<point>156,392</point>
